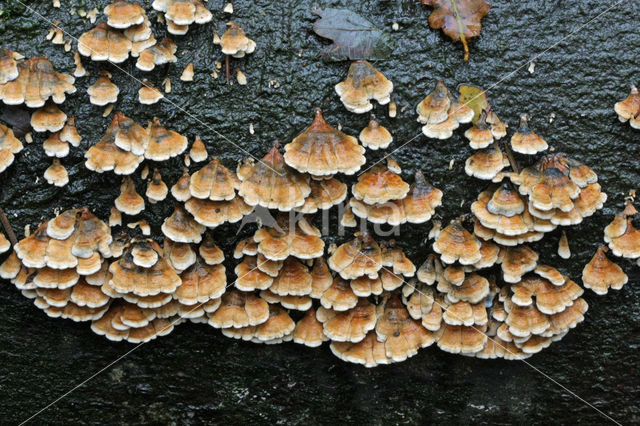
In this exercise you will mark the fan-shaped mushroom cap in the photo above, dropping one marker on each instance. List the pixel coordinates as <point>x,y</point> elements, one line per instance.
<point>591,198</point>
<point>5,245</point>
<point>393,257</point>
<point>363,84</point>
<point>145,253</point>
<point>524,321</point>
<point>417,206</point>
<point>526,141</point>
<point>490,253</point>
<point>322,150</point>
<point>250,277</point>
<point>321,278</point>
<point>129,201</point>
<point>358,257</point>
<point>213,213</point>
<point>55,278</point>
<point>601,274</point>
<point>429,270</point>
<point>285,239</point>
<point>235,42</point>
<point>402,335</point>
<point>8,144</point>
<point>179,255</point>
<point>181,227</point>
<point>271,184</point>
<point>37,81</point>
<point>309,330</point>
<point>455,243</point>
<point>454,274</point>
<point>104,44</point>
<point>299,303</point>
<point>479,135</point>
<point>324,194</point>
<point>517,261</point>
<point>459,339</point>
<point>198,151</point>
<point>379,185</point>
<point>140,33</point>
<point>442,130</point>
<point>473,289</point>
<point>239,309</point>
<point>503,200</point>
<point>293,279</point>
<point>56,174</point>
<point>351,325</point>
<point>87,295</point>
<point>49,118</point>
<point>54,147</point>
<point>201,283</point>
<point>123,14</point>
<point>163,143</point>
<point>386,281</point>
<point>434,108</point>
<point>498,128</point>
<point>103,91</point>
<point>111,326</point>
<point>156,189</point>
<point>339,296</point>
<point>69,133</point>
<point>278,325</point>
<point>180,190</point>
<point>148,94</point>
<point>10,267</point>
<point>209,251</point>
<point>628,244</point>
<point>616,228</point>
<point>214,182</point>
<point>369,352</point>
<point>486,163</point>
<point>158,54</point>
<point>549,298</point>
<point>628,108</point>
<point>375,136</point>
<point>63,225</point>
<point>128,277</point>
<point>569,318</point>
<point>422,305</point>
<point>8,66</point>
<point>106,155</point>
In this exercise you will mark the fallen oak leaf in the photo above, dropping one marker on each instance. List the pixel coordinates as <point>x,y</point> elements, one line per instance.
<point>459,19</point>
<point>353,36</point>
<point>475,98</point>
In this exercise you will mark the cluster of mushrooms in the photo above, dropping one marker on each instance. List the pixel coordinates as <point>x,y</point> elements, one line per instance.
<point>481,291</point>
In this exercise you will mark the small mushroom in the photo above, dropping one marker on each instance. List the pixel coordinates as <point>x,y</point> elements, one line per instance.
<point>54,147</point>
<point>156,189</point>
<point>351,325</point>
<point>378,185</point>
<point>363,84</point>
<point>104,44</point>
<point>49,118</point>
<point>70,134</point>
<point>209,251</point>
<point>358,257</point>
<point>159,54</point>
<point>163,143</point>
<point>563,246</point>
<point>525,140</point>
<point>324,195</point>
<point>601,274</point>
<point>250,277</point>
<point>201,283</point>
<point>80,71</point>
<point>239,309</point>
<point>56,174</point>
<point>103,91</point>
<point>486,163</point>
<point>187,73</point>
<point>148,94</point>
<point>628,108</point>
<point>369,352</point>
<point>129,201</point>
<point>455,243</point>
<point>309,330</point>
<point>517,261</point>
<point>375,136</point>
<point>479,135</point>
<point>181,227</point>
<point>123,14</point>
<point>213,182</point>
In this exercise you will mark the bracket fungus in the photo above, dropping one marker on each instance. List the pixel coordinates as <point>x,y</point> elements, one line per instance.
<point>129,201</point>
<point>284,239</point>
<point>358,257</point>
<point>103,91</point>
<point>441,113</point>
<point>122,14</point>
<point>375,136</point>
<point>103,43</point>
<point>271,183</point>
<point>9,145</point>
<point>48,118</point>
<point>322,150</point>
<point>525,140</point>
<point>455,243</point>
<point>380,184</point>
<point>163,143</point>
<point>148,94</point>
<point>364,83</point>
<point>159,54</point>
<point>37,81</point>
<point>629,108</point>
<point>601,274</point>
<point>182,13</point>
<point>106,155</point>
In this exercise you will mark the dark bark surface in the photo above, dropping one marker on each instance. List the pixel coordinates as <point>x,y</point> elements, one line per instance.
<point>195,375</point>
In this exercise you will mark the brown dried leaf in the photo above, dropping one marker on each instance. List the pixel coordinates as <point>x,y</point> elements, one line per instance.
<point>459,19</point>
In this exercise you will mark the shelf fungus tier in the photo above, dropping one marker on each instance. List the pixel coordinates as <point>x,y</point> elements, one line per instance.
<point>289,237</point>
<point>103,43</point>
<point>380,184</point>
<point>556,182</point>
<point>9,146</point>
<point>455,243</point>
<point>322,150</point>
<point>356,258</point>
<point>107,156</point>
<point>272,184</point>
<point>441,113</point>
<point>37,81</point>
<point>418,206</point>
<point>235,42</point>
<point>363,84</point>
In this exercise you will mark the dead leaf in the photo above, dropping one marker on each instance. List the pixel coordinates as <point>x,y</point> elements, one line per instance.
<point>475,98</point>
<point>353,36</point>
<point>459,19</point>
